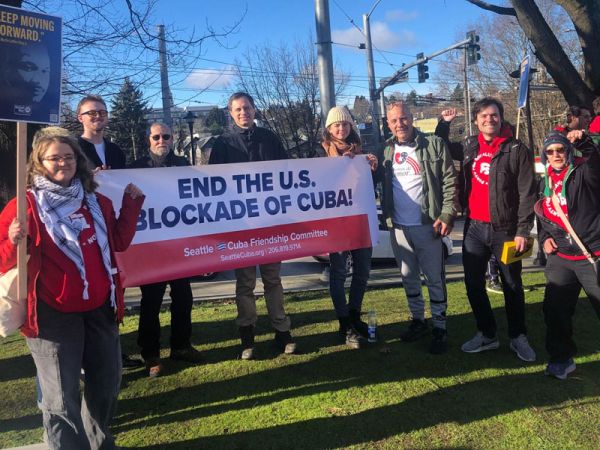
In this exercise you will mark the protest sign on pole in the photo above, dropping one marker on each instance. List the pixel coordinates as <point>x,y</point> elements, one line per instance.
<point>219,217</point>
<point>523,82</point>
<point>30,66</point>
<point>30,78</point>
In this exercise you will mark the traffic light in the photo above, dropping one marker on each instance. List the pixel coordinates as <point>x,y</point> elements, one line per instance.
<point>473,48</point>
<point>422,69</point>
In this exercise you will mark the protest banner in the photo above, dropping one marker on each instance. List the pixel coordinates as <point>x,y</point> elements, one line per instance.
<point>220,217</point>
<point>30,66</point>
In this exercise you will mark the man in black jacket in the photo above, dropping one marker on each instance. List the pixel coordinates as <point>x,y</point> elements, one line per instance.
<point>103,154</point>
<point>245,142</point>
<point>500,193</point>
<point>161,155</point>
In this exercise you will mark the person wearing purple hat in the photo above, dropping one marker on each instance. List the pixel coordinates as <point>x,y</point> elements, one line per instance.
<point>572,184</point>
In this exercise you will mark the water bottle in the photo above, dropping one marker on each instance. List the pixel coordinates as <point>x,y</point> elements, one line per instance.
<point>372,326</point>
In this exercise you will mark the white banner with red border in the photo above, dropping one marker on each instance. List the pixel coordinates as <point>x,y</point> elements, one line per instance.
<point>213,218</point>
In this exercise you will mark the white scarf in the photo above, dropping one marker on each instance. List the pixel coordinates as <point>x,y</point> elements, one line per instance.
<point>55,206</point>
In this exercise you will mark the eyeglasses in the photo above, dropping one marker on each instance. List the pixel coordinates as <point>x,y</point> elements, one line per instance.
<point>93,113</point>
<point>156,137</point>
<point>559,151</point>
<point>67,159</point>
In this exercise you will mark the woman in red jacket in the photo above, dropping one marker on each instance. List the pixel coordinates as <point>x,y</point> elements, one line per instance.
<point>74,299</point>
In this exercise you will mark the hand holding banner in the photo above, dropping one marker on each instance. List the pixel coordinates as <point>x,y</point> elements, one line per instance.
<point>212,218</point>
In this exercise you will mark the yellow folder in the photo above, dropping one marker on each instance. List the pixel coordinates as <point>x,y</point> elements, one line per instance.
<point>510,255</point>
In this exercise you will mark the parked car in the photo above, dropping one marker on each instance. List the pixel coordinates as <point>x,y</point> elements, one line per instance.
<point>383,252</point>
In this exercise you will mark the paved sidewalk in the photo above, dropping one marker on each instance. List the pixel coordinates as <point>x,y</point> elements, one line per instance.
<point>381,276</point>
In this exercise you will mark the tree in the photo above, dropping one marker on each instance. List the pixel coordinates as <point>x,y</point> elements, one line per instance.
<point>284,83</point>
<point>457,94</point>
<point>103,43</point>
<point>411,98</point>
<point>577,88</point>
<point>128,123</point>
<point>215,121</point>
<point>361,109</point>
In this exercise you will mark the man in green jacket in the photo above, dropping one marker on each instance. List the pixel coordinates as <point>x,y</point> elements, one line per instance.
<point>419,196</point>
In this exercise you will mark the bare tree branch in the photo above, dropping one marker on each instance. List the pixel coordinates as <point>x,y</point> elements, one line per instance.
<point>494,8</point>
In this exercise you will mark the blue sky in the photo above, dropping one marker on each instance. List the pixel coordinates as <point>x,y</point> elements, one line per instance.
<point>400,30</point>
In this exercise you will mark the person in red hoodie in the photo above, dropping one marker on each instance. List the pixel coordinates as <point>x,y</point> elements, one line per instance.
<point>74,298</point>
<point>500,193</point>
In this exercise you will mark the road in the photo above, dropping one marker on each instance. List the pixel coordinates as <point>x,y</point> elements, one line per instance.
<point>305,274</point>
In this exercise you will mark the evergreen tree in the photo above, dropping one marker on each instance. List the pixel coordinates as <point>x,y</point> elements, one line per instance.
<point>215,121</point>
<point>411,98</point>
<point>128,123</point>
<point>457,94</point>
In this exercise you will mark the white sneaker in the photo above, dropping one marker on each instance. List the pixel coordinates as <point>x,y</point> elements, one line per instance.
<point>480,343</point>
<point>520,345</point>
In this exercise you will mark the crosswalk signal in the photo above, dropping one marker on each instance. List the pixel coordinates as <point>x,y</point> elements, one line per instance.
<point>422,69</point>
<point>473,48</point>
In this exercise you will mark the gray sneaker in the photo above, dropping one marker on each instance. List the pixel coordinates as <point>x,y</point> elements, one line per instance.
<point>480,343</point>
<point>520,345</point>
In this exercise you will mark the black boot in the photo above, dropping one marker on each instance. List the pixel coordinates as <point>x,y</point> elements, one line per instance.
<point>247,338</point>
<point>348,334</point>
<point>359,326</point>
<point>285,343</point>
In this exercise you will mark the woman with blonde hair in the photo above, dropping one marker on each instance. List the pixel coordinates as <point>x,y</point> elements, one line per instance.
<point>74,297</point>
<point>341,139</point>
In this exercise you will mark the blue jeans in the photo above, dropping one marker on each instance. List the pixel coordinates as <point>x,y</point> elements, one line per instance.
<point>68,342</point>
<point>361,262</point>
<point>479,242</point>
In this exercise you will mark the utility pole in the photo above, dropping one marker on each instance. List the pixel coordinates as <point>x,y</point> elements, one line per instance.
<point>467,98</point>
<point>164,77</point>
<point>371,74</point>
<point>324,57</point>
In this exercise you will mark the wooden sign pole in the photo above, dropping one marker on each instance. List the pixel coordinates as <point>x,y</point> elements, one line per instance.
<point>22,207</point>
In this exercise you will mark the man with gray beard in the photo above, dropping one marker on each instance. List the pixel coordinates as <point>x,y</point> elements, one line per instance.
<point>161,155</point>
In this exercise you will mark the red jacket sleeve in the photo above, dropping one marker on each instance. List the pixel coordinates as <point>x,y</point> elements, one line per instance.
<point>8,251</point>
<point>123,229</point>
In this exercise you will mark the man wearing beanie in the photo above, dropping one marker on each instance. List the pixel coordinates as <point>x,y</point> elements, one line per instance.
<point>161,155</point>
<point>245,142</point>
<point>500,193</point>
<point>571,190</point>
<point>419,196</point>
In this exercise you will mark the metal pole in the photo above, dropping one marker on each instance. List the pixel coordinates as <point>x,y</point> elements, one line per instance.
<point>191,125</point>
<point>164,77</point>
<point>324,57</point>
<point>371,74</point>
<point>382,103</point>
<point>529,124</point>
<point>465,97</point>
<point>470,121</point>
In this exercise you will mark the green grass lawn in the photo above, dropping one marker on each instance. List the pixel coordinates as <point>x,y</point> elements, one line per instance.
<point>389,395</point>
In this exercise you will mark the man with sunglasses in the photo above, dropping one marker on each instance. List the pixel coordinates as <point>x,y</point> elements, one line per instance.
<point>103,154</point>
<point>161,155</point>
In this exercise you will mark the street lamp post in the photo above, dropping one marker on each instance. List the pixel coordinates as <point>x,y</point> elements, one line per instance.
<point>190,117</point>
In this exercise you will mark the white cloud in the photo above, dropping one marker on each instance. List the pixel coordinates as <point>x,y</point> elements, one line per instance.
<point>209,78</point>
<point>399,15</point>
<point>382,36</point>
